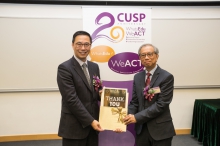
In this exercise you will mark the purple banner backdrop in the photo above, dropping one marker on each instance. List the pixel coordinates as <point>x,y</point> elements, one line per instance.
<point>110,138</point>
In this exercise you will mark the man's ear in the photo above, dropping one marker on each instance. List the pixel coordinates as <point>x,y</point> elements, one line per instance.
<point>157,56</point>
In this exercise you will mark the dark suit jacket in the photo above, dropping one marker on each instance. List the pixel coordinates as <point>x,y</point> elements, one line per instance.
<point>79,101</point>
<point>155,113</point>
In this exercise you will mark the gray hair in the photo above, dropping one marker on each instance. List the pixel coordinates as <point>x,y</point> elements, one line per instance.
<point>156,50</point>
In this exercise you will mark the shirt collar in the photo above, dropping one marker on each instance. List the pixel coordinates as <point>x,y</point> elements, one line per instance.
<point>80,61</point>
<point>152,71</point>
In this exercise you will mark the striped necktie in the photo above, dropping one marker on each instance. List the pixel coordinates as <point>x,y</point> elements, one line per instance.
<point>147,83</point>
<point>84,66</point>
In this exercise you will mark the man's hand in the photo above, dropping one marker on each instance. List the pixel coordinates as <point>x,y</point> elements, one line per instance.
<point>118,130</point>
<point>100,93</point>
<point>129,119</point>
<point>96,126</point>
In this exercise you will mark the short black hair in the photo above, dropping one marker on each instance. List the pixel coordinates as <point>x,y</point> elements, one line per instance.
<point>81,32</point>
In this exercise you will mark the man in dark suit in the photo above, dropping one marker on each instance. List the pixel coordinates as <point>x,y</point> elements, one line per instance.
<point>150,112</point>
<point>80,109</point>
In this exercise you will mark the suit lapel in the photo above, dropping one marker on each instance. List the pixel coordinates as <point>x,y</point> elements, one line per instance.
<point>91,73</point>
<point>142,83</point>
<point>142,78</point>
<point>80,72</point>
<point>155,76</point>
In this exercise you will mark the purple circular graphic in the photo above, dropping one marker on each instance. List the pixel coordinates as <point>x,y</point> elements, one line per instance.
<point>125,63</point>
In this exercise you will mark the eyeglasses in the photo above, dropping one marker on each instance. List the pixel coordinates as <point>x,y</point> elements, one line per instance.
<point>79,45</point>
<point>150,54</point>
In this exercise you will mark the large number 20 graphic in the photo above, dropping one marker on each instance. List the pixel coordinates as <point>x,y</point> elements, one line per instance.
<point>96,34</point>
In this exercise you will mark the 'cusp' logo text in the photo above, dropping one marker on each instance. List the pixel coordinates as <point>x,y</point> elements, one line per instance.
<point>125,63</point>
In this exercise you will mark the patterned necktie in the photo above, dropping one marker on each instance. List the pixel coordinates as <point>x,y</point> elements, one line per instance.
<point>147,83</point>
<point>86,73</point>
